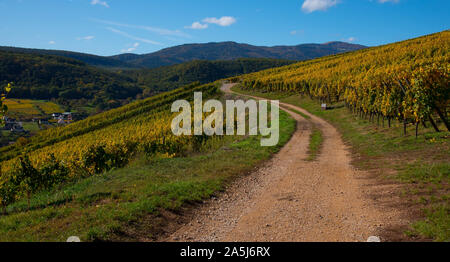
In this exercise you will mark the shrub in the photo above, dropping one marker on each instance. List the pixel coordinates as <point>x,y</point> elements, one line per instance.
<point>98,159</point>
<point>95,158</point>
<point>53,173</point>
<point>7,193</point>
<point>22,141</point>
<point>119,155</point>
<point>26,178</point>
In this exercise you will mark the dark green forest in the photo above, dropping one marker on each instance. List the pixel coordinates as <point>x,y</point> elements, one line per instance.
<point>74,83</point>
<point>93,60</point>
<point>165,78</point>
<point>47,77</point>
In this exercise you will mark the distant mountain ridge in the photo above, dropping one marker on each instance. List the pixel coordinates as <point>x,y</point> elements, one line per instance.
<point>190,52</point>
<point>74,82</point>
<point>233,50</point>
<point>93,60</point>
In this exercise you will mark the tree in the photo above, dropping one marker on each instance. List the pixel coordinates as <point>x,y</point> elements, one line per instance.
<point>7,193</point>
<point>3,107</point>
<point>27,178</point>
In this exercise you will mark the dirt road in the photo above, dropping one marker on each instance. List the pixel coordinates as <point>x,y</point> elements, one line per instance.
<point>291,199</point>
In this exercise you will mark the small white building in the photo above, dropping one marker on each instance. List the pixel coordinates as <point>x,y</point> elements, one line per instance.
<point>66,116</point>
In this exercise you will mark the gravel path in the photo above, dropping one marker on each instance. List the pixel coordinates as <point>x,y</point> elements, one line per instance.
<point>291,199</point>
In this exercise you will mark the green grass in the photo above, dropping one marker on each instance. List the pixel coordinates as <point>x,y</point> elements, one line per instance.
<point>108,206</point>
<point>435,226</point>
<point>305,116</point>
<point>273,96</point>
<point>30,126</point>
<point>420,172</point>
<point>421,163</point>
<point>315,143</point>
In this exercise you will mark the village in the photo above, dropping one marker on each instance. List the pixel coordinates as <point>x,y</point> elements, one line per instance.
<point>15,128</point>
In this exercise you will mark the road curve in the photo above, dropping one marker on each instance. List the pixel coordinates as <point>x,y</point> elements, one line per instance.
<point>291,199</point>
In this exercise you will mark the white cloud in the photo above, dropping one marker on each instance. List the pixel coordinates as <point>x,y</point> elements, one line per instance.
<point>197,25</point>
<point>99,2</point>
<point>160,31</point>
<point>87,38</point>
<point>131,49</point>
<point>297,32</point>
<point>310,6</point>
<point>351,39</point>
<point>223,21</point>
<point>52,42</point>
<point>133,37</point>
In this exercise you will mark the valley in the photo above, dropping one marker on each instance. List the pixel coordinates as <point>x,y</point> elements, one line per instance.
<point>363,150</point>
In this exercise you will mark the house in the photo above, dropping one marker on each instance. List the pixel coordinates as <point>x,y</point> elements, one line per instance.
<point>67,116</point>
<point>17,128</point>
<point>9,120</point>
<point>43,122</point>
<point>9,123</point>
<point>8,126</point>
<point>56,116</point>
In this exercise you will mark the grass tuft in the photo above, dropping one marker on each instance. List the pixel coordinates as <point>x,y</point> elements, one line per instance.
<point>315,143</point>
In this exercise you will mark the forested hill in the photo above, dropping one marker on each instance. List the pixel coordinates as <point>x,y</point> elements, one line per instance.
<point>232,50</point>
<point>48,76</point>
<point>190,52</point>
<point>170,77</point>
<point>94,60</point>
<point>66,79</point>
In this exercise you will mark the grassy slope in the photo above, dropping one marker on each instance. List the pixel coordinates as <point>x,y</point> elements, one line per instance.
<point>422,164</point>
<point>107,207</point>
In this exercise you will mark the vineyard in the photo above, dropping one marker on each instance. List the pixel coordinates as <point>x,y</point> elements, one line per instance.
<point>94,145</point>
<point>87,177</point>
<point>25,109</point>
<point>406,81</point>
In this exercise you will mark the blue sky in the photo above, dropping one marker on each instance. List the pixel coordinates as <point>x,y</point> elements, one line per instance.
<point>108,27</point>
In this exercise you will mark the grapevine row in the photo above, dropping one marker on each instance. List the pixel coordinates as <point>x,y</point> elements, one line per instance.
<point>408,81</point>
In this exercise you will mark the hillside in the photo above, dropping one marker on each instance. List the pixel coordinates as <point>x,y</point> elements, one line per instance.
<point>128,157</point>
<point>232,50</point>
<point>191,52</point>
<point>406,80</point>
<point>56,77</point>
<point>170,77</point>
<point>103,121</point>
<point>93,60</point>
<point>74,82</point>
